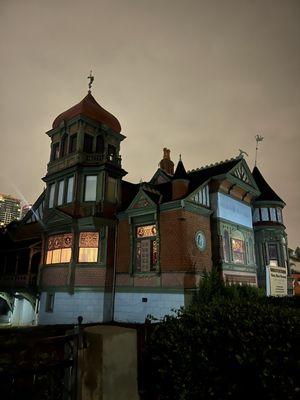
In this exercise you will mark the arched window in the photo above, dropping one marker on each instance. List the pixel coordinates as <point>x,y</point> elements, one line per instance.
<point>99,144</point>
<point>238,247</point>
<point>226,248</point>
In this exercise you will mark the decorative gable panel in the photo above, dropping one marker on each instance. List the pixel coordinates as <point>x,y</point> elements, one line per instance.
<point>242,174</point>
<point>141,200</point>
<point>201,196</point>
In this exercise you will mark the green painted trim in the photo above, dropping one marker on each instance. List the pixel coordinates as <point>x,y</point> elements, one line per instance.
<point>171,205</point>
<point>140,194</point>
<point>197,209</point>
<point>233,224</point>
<point>141,211</point>
<point>253,185</point>
<point>264,203</point>
<point>238,267</point>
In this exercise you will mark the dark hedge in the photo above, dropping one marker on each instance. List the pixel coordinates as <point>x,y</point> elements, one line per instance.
<point>230,344</point>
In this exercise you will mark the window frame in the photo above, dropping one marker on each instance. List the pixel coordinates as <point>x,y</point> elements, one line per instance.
<point>98,256</point>
<point>85,187</point>
<point>150,240</point>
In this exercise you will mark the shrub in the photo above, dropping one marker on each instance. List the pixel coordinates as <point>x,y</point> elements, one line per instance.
<point>235,346</point>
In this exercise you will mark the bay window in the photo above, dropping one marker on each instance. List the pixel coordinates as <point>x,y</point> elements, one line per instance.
<point>90,188</point>
<point>70,186</point>
<point>60,197</point>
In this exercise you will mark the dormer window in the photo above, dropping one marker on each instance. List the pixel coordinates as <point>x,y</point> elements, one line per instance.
<point>88,143</point>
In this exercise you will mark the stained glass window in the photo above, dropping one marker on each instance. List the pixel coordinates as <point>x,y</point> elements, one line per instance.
<point>238,251</point>
<point>59,249</point>
<point>146,248</point>
<point>88,247</point>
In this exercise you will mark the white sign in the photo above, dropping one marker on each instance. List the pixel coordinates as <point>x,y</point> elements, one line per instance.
<point>276,281</point>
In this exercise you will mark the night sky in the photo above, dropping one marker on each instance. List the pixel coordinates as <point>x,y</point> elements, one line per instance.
<point>201,77</point>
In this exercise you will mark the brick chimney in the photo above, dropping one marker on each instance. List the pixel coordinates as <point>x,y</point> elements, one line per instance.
<point>166,164</point>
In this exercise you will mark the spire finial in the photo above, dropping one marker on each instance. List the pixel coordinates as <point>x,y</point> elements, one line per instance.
<point>91,78</point>
<point>258,138</point>
<point>180,157</point>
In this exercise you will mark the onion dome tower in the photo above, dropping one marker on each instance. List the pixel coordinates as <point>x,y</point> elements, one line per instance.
<point>83,195</point>
<point>269,229</point>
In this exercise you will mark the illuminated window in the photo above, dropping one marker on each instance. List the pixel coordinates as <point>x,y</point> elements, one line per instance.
<point>90,188</point>
<point>59,249</point>
<point>60,196</point>
<point>70,186</point>
<point>88,247</point>
<point>238,251</point>
<point>146,248</point>
<point>51,195</point>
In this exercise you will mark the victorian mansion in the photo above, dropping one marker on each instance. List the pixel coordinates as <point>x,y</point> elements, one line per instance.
<point>98,246</point>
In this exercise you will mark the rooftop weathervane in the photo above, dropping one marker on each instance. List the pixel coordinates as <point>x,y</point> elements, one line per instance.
<point>91,78</point>
<point>242,152</point>
<point>258,138</point>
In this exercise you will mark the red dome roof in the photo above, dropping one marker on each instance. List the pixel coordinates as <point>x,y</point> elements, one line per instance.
<point>89,107</point>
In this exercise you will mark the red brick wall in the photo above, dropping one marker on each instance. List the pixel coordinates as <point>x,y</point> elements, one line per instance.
<point>97,276</point>
<point>178,247</point>
<point>54,276</point>
<point>123,248</point>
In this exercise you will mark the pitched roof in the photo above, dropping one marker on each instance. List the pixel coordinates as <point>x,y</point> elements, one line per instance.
<point>267,193</point>
<point>180,172</point>
<point>89,107</point>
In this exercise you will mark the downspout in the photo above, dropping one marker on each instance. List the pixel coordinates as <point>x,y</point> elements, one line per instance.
<point>114,274</point>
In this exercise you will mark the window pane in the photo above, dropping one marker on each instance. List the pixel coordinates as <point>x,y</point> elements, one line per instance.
<point>60,197</point>
<point>256,214</point>
<point>146,231</point>
<point>279,215</point>
<point>207,196</point>
<point>65,255</point>
<point>88,254</point>
<point>49,257</point>
<point>56,255</point>
<point>51,195</point>
<point>273,214</point>
<point>264,214</point>
<point>145,255</point>
<point>72,143</point>
<point>226,246</point>
<point>111,189</point>
<point>70,185</point>
<point>90,188</point>
<point>88,143</point>
<point>238,251</point>
<point>273,254</point>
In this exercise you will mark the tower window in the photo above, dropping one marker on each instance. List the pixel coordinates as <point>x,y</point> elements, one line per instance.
<point>111,153</point>
<point>99,144</point>
<point>63,146</point>
<point>51,195</point>
<point>273,254</point>
<point>59,249</point>
<point>73,143</point>
<point>264,214</point>
<point>70,186</point>
<point>60,197</point>
<point>146,248</point>
<point>90,188</point>
<point>279,214</point>
<point>88,143</point>
<point>55,151</point>
<point>88,247</point>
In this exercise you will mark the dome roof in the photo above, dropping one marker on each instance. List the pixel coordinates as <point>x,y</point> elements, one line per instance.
<point>89,107</point>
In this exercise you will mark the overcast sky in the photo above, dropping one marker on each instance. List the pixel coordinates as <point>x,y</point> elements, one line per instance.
<point>201,77</point>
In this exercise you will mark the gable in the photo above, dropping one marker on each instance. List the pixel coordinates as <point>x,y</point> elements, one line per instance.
<point>201,196</point>
<point>242,174</point>
<point>56,217</point>
<point>141,200</point>
<point>160,177</point>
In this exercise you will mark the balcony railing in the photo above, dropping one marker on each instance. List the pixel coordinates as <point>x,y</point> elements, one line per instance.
<point>18,281</point>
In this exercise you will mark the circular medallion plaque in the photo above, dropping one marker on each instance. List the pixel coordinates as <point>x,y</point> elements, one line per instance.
<point>200,240</point>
